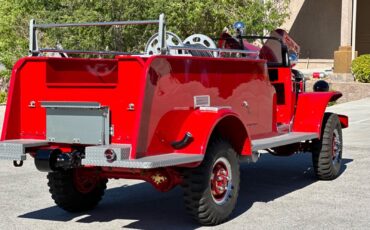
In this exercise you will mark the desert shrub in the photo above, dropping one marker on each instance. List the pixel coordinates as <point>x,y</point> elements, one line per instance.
<point>361,68</point>
<point>3,96</point>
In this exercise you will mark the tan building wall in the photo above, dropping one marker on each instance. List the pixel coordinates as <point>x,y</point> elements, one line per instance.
<point>363,27</point>
<point>317,28</point>
<point>324,30</point>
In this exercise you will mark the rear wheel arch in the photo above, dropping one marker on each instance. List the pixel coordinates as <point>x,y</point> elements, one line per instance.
<point>232,129</point>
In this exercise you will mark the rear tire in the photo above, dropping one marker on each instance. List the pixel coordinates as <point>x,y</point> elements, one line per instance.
<point>327,152</point>
<point>211,189</point>
<point>75,190</point>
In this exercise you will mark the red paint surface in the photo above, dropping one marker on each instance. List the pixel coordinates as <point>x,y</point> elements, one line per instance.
<point>284,112</point>
<point>161,88</point>
<point>310,111</point>
<point>172,83</point>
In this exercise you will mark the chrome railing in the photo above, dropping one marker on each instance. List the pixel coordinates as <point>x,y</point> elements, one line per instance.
<point>35,50</point>
<point>93,52</point>
<point>247,53</point>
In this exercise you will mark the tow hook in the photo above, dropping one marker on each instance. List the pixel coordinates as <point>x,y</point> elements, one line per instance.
<point>18,164</point>
<point>188,137</point>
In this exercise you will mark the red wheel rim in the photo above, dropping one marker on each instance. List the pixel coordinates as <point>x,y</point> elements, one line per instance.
<point>221,181</point>
<point>85,181</point>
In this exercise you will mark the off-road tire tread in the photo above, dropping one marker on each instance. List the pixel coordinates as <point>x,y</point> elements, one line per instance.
<point>321,154</point>
<point>196,182</point>
<point>65,195</point>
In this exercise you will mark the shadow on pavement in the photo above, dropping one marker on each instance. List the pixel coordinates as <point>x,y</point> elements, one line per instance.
<point>272,177</point>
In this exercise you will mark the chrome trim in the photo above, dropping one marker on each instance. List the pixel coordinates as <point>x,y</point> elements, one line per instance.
<point>33,42</point>
<point>95,52</point>
<point>158,161</point>
<point>214,108</point>
<point>67,104</point>
<point>162,34</point>
<point>33,45</point>
<point>86,24</point>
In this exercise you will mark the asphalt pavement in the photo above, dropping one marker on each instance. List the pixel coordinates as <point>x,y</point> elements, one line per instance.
<point>276,193</point>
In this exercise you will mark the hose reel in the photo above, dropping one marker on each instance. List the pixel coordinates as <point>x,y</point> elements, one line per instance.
<point>153,47</point>
<point>201,40</point>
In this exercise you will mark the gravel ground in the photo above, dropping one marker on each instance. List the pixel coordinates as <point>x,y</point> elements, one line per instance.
<point>276,193</point>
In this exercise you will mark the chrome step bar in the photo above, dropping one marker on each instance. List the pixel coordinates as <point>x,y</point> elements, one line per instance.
<point>95,156</point>
<point>285,139</point>
<point>16,149</point>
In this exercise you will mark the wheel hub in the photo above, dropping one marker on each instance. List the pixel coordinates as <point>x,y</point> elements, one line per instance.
<point>84,181</point>
<point>221,181</point>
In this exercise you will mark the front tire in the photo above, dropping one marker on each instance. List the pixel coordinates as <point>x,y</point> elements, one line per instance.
<point>211,189</point>
<point>327,152</point>
<point>76,190</point>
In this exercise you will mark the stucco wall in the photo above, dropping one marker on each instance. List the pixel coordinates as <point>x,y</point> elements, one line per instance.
<point>317,28</point>
<point>363,27</point>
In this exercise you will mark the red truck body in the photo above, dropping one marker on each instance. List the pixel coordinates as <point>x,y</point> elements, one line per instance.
<point>161,88</point>
<point>158,118</point>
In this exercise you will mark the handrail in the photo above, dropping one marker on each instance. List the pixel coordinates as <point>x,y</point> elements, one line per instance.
<point>85,24</point>
<point>34,48</point>
<point>94,52</point>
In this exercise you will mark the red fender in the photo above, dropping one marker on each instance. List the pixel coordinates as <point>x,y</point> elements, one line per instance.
<point>201,125</point>
<point>310,111</point>
<point>12,105</point>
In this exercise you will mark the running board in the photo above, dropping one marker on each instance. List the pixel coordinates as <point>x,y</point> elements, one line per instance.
<point>281,140</point>
<point>159,161</point>
<point>119,157</point>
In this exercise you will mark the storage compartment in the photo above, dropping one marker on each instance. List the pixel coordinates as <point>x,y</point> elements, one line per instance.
<point>77,122</point>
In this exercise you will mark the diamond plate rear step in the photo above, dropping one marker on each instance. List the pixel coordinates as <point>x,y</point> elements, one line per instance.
<point>95,155</point>
<point>15,149</point>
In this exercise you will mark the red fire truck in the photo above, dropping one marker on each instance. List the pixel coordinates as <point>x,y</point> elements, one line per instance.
<point>183,112</point>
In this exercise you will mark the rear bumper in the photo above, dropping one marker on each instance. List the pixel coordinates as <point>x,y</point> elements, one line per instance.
<point>16,149</point>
